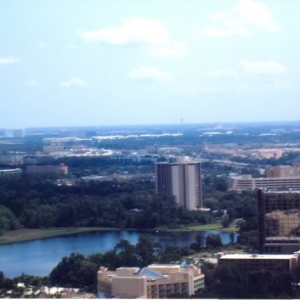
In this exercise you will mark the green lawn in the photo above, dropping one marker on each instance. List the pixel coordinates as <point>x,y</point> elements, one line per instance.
<point>213,226</point>
<point>21,235</point>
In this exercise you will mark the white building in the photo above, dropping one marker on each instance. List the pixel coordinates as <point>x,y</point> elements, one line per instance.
<point>181,179</point>
<point>247,182</point>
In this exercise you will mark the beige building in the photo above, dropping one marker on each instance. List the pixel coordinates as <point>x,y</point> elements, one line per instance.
<point>154,281</point>
<point>283,171</point>
<point>180,178</point>
<point>256,262</point>
<point>247,182</point>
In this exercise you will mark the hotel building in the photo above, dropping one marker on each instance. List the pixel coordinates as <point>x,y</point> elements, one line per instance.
<point>154,281</point>
<point>256,262</point>
<point>181,179</point>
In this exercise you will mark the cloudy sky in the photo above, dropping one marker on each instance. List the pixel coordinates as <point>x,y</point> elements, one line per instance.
<point>114,62</point>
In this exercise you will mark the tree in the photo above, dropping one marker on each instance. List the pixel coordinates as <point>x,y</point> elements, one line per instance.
<point>2,280</point>
<point>126,254</point>
<point>145,250</point>
<point>225,221</point>
<point>213,240</point>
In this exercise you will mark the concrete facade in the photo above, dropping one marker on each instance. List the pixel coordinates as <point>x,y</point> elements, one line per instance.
<point>154,281</point>
<point>283,171</point>
<point>256,262</point>
<point>246,182</point>
<point>181,179</point>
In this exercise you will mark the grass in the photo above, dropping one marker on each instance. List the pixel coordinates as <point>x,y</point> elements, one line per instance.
<point>212,226</point>
<point>22,235</point>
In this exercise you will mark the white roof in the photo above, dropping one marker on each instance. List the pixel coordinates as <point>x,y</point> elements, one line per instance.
<point>256,256</point>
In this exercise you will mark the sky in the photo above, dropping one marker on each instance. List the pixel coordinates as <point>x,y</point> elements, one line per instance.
<point>116,62</point>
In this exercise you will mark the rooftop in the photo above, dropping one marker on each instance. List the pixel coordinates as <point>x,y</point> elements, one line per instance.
<point>257,256</point>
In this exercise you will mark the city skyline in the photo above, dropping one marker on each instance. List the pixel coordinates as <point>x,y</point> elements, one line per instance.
<point>99,63</point>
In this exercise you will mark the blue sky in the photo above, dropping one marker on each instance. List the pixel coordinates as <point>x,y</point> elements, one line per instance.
<point>114,62</point>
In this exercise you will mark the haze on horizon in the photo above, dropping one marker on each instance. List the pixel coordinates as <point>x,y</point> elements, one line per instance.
<point>84,63</point>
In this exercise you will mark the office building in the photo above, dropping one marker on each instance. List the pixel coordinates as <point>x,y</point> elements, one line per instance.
<point>246,182</point>
<point>154,281</point>
<point>255,262</point>
<point>278,221</point>
<point>180,178</point>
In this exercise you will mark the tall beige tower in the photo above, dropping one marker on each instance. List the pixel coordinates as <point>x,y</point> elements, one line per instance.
<point>180,178</point>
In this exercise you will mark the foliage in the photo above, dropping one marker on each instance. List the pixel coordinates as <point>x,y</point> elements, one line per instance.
<point>8,220</point>
<point>40,203</point>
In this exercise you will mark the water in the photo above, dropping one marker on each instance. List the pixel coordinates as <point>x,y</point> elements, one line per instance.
<point>39,257</point>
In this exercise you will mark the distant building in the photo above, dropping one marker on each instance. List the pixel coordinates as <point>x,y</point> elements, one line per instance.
<point>256,262</point>
<point>12,157</point>
<point>10,171</point>
<point>181,179</point>
<point>14,133</point>
<point>278,221</point>
<point>49,149</point>
<point>154,281</point>
<point>46,169</point>
<point>283,171</point>
<point>247,182</point>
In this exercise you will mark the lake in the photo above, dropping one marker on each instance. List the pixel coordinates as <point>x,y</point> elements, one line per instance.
<point>39,257</point>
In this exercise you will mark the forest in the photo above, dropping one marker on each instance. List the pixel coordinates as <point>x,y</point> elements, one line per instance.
<point>37,202</point>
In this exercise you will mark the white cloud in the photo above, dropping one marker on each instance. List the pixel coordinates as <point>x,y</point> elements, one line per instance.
<point>150,73</point>
<point>241,19</point>
<point>223,73</point>
<point>73,82</point>
<point>43,45</point>
<point>132,31</point>
<point>262,67</point>
<point>8,60</point>
<point>152,35</point>
<point>256,13</point>
<point>33,83</point>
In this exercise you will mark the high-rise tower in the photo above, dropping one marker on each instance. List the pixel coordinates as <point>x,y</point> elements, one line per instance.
<point>180,178</point>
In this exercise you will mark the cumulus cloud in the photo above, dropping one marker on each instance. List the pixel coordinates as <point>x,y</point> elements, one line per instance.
<point>33,83</point>
<point>73,82</point>
<point>152,35</point>
<point>241,19</point>
<point>150,73</point>
<point>262,67</point>
<point>8,60</point>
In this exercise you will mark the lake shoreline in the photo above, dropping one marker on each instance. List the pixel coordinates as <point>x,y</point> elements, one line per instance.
<point>24,234</point>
